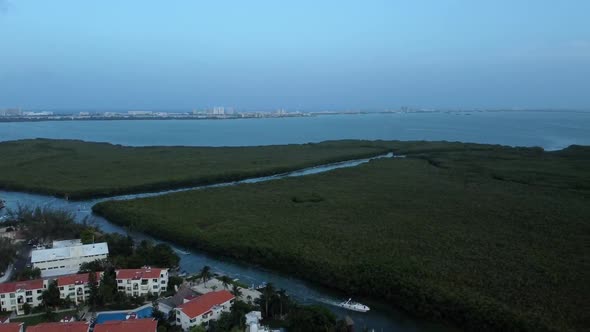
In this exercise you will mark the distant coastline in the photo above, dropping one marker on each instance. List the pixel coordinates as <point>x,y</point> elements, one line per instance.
<point>17,115</point>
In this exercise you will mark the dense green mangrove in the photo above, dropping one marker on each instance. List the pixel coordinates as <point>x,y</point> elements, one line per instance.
<point>488,237</point>
<point>77,169</point>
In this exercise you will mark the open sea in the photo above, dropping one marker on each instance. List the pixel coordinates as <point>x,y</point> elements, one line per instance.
<point>550,130</point>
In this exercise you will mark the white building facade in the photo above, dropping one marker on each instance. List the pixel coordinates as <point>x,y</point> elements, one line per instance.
<point>66,257</point>
<point>141,282</point>
<point>14,295</point>
<point>75,286</point>
<point>203,309</point>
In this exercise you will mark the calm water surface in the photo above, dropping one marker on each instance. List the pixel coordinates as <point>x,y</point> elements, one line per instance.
<point>550,130</point>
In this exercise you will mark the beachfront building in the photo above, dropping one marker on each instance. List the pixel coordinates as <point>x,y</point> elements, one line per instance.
<point>14,295</point>
<point>203,308</point>
<point>11,327</point>
<point>66,257</point>
<point>75,286</point>
<point>130,325</point>
<point>60,327</point>
<point>141,282</point>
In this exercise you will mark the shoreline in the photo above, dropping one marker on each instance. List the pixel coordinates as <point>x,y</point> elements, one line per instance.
<point>266,115</point>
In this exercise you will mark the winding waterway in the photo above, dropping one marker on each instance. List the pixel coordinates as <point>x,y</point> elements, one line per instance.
<point>381,318</point>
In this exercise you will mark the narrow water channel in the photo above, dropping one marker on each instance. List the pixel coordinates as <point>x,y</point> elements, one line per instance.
<point>382,316</point>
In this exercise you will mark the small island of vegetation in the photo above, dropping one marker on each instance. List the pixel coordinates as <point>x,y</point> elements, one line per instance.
<point>79,170</point>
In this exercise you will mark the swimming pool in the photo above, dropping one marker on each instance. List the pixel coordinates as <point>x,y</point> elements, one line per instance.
<point>110,316</point>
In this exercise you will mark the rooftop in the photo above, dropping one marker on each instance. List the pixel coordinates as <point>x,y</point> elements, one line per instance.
<point>67,243</point>
<point>133,325</point>
<point>75,279</point>
<point>145,273</point>
<point>205,302</point>
<point>83,250</point>
<point>11,287</point>
<point>184,293</point>
<point>10,327</point>
<point>59,327</point>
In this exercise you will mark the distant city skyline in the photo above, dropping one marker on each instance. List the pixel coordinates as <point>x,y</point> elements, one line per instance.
<point>305,55</point>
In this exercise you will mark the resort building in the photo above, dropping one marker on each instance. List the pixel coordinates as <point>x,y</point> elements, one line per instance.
<point>66,257</point>
<point>11,327</point>
<point>141,282</point>
<point>204,308</point>
<point>183,295</point>
<point>131,325</point>
<point>60,327</point>
<point>75,286</point>
<point>14,295</point>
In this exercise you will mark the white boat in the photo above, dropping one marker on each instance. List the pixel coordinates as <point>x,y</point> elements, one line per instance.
<point>354,306</point>
<point>259,287</point>
<point>181,251</point>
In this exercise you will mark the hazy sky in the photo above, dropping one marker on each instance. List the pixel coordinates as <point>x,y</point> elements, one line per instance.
<point>303,54</point>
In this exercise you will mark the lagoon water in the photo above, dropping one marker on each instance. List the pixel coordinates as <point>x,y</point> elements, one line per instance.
<point>550,130</point>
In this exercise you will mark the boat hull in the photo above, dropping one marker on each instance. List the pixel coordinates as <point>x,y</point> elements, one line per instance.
<point>354,308</point>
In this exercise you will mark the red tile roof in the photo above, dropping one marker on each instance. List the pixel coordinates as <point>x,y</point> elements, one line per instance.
<point>59,327</point>
<point>205,302</point>
<point>146,273</point>
<point>133,325</point>
<point>11,287</point>
<point>75,279</point>
<point>10,327</point>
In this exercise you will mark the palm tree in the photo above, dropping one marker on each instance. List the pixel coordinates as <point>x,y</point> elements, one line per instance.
<point>235,290</point>
<point>206,274</point>
<point>282,294</point>
<point>225,280</point>
<point>267,293</point>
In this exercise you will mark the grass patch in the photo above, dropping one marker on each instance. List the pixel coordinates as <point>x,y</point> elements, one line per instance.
<point>42,318</point>
<point>486,236</point>
<point>80,170</point>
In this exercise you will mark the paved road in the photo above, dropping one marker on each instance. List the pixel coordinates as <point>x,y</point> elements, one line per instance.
<point>7,274</point>
<point>21,262</point>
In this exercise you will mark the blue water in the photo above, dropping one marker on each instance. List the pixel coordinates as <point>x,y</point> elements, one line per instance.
<point>110,316</point>
<point>550,130</point>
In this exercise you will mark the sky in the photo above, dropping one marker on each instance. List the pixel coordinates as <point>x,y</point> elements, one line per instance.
<point>304,54</point>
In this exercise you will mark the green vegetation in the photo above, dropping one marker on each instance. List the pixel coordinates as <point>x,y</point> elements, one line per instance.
<point>27,273</point>
<point>78,170</point>
<point>46,224</point>
<point>9,253</point>
<point>48,316</point>
<point>486,236</point>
